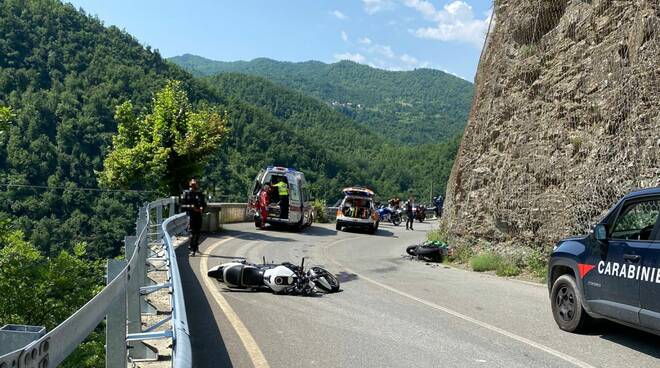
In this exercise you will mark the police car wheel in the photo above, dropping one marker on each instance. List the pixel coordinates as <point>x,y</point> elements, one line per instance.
<point>567,305</point>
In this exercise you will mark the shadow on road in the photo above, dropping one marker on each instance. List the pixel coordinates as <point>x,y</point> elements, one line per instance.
<point>208,347</point>
<point>261,235</point>
<point>344,276</point>
<point>312,230</point>
<point>200,254</point>
<point>320,231</point>
<point>379,232</point>
<point>637,340</point>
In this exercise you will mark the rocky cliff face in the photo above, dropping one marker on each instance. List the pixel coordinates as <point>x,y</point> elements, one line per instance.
<point>565,120</point>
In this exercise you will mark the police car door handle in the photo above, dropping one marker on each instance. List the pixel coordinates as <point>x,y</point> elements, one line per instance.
<point>632,258</point>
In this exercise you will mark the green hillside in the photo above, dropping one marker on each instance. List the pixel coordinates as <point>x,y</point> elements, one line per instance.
<point>420,106</point>
<point>330,148</point>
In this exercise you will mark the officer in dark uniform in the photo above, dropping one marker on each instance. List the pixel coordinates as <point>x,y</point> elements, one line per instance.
<point>193,202</point>
<point>410,213</point>
<point>439,203</point>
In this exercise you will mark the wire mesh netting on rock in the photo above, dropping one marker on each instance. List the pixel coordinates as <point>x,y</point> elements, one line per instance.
<point>565,120</point>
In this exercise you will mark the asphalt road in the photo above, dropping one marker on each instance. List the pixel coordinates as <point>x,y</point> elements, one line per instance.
<point>392,311</point>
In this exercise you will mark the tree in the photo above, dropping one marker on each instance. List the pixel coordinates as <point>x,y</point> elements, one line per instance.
<point>160,149</point>
<point>42,291</point>
<point>6,115</point>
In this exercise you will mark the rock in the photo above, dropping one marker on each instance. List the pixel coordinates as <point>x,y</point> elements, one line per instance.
<point>565,121</point>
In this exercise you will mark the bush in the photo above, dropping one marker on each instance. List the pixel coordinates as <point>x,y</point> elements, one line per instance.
<point>485,262</point>
<point>437,235</point>
<point>461,254</point>
<point>537,263</point>
<point>507,269</point>
<point>319,211</point>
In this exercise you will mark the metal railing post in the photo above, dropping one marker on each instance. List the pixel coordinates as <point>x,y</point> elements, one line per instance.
<point>132,292</point>
<point>137,349</point>
<point>172,206</point>
<point>143,254</point>
<point>115,322</point>
<point>159,220</point>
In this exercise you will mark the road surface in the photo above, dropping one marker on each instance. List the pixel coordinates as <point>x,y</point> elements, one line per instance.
<point>392,311</point>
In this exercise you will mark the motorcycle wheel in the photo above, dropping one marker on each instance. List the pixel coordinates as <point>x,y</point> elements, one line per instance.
<point>330,278</point>
<point>396,220</point>
<point>411,250</point>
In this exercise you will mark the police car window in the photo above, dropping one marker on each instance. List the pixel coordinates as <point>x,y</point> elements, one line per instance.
<point>636,221</point>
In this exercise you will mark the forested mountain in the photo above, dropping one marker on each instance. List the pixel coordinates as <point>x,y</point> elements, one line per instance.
<point>62,73</point>
<point>420,106</point>
<point>330,148</point>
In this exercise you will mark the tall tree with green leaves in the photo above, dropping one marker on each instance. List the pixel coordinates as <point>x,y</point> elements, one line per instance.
<point>44,291</point>
<point>161,149</point>
<point>5,118</point>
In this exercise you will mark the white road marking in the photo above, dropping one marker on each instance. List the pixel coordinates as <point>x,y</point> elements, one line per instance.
<point>256,355</point>
<point>485,325</point>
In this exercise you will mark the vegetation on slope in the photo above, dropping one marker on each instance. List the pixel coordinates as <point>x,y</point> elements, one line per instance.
<point>413,107</point>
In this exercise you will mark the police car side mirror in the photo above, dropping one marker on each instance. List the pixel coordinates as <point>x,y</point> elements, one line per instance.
<point>600,232</point>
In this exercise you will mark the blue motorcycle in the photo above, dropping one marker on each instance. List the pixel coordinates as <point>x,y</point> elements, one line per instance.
<point>390,215</point>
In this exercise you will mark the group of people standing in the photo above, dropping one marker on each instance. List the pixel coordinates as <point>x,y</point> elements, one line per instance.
<point>265,195</point>
<point>409,208</point>
<point>194,203</point>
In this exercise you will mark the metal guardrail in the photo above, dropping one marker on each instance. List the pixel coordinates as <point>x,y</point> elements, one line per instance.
<point>122,304</point>
<point>181,349</point>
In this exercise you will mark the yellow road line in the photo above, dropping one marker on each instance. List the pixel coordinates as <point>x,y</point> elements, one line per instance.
<point>256,355</point>
<point>485,325</point>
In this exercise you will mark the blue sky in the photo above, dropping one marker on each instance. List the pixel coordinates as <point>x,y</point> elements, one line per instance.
<point>388,34</point>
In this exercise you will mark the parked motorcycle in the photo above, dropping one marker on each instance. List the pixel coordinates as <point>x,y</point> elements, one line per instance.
<point>284,278</point>
<point>389,214</point>
<point>420,213</point>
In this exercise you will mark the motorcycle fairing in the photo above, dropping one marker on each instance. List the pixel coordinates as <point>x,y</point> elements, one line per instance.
<point>279,278</point>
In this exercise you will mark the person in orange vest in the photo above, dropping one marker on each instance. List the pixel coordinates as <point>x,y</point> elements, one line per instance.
<point>264,200</point>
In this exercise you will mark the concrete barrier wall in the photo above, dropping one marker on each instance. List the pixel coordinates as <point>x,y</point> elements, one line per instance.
<point>224,213</point>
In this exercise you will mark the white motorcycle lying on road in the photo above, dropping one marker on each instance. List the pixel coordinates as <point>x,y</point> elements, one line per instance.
<point>284,278</point>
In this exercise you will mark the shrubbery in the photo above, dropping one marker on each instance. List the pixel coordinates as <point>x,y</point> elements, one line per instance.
<point>485,262</point>
<point>319,207</point>
<point>537,263</point>
<point>44,291</point>
<point>490,261</point>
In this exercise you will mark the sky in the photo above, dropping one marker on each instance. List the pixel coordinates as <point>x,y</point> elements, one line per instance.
<point>387,34</point>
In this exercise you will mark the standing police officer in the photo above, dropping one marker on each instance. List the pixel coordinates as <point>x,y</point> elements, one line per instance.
<point>410,212</point>
<point>283,191</point>
<point>194,203</point>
